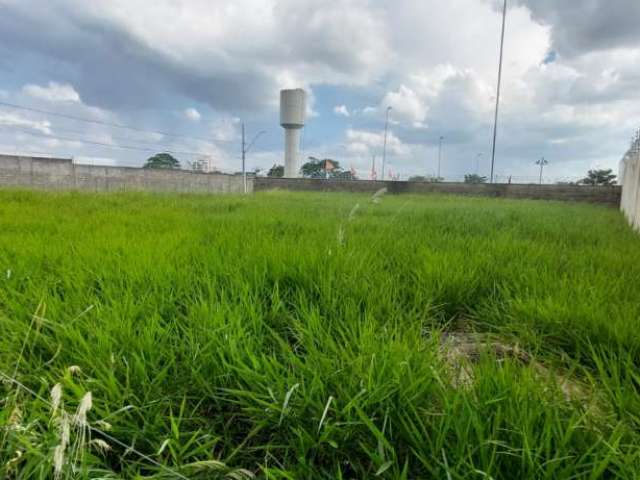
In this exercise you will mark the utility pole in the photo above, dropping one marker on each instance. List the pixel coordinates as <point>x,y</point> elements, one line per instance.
<point>542,162</point>
<point>245,149</point>
<point>384,148</point>
<point>495,118</point>
<point>244,154</point>
<point>439,155</point>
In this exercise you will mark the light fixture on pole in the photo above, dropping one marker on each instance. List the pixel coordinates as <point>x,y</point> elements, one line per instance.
<point>495,118</point>
<point>384,147</point>
<point>245,149</point>
<point>542,162</point>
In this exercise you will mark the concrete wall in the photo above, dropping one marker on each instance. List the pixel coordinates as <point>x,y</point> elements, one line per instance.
<point>630,179</point>
<point>57,173</point>
<point>575,193</point>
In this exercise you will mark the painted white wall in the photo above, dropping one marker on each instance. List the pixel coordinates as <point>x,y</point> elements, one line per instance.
<point>630,178</point>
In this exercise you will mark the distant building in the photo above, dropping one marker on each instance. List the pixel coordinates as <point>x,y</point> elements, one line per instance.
<point>202,164</point>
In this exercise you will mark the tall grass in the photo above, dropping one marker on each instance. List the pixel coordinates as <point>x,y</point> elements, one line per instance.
<point>295,336</point>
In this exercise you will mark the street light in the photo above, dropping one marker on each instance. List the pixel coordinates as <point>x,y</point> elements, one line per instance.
<point>542,162</point>
<point>245,149</point>
<point>384,148</point>
<point>495,118</point>
<point>439,155</point>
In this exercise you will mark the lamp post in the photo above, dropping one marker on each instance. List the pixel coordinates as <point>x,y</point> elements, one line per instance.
<point>245,149</point>
<point>542,162</point>
<point>495,118</point>
<point>384,147</point>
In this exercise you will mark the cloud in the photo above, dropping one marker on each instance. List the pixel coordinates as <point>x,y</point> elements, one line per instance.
<point>569,91</point>
<point>198,48</point>
<point>53,92</point>
<point>341,110</point>
<point>226,129</point>
<point>406,105</point>
<point>582,27</point>
<point>192,114</point>
<point>15,120</point>
<point>367,143</point>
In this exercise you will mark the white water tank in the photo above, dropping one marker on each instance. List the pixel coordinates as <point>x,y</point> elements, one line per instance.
<point>292,113</point>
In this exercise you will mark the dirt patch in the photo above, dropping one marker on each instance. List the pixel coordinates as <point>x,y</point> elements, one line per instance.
<point>462,350</point>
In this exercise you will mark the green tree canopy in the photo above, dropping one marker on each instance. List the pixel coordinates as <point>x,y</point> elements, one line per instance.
<point>276,171</point>
<point>162,160</point>
<point>474,178</point>
<point>316,168</point>
<point>425,178</point>
<point>599,177</point>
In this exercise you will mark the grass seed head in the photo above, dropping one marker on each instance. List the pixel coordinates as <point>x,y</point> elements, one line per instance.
<point>56,397</point>
<point>80,418</point>
<point>100,445</point>
<point>102,425</point>
<point>74,370</point>
<point>64,430</point>
<point>58,461</point>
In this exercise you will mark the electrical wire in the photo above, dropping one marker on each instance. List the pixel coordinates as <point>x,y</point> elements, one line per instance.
<point>108,124</point>
<point>117,138</point>
<point>102,144</point>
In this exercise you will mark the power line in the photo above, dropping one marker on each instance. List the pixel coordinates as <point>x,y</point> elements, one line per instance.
<point>107,124</point>
<point>118,138</point>
<point>102,144</point>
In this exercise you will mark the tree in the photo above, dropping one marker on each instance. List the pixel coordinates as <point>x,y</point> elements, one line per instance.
<point>417,178</point>
<point>474,178</point>
<point>316,168</point>
<point>162,160</point>
<point>276,171</point>
<point>425,178</point>
<point>599,177</point>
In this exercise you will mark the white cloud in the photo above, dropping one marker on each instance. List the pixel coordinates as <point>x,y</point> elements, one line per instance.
<point>192,114</point>
<point>406,105</point>
<point>53,92</point>
<point>367,143</point>
<point>15,120</point>
<point>434,62</point>
<point>341,110</point>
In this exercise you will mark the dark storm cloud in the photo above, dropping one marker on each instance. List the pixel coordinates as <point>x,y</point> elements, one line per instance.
<point>112,69</point>
<point>583,26</point>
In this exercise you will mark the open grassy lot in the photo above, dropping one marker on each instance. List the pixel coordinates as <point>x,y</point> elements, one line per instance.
<point>296,336</point>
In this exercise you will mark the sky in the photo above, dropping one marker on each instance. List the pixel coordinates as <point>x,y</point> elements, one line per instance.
<point>185,74</point>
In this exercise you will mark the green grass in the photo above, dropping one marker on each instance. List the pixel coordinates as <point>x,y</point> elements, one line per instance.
<point>274,334</point>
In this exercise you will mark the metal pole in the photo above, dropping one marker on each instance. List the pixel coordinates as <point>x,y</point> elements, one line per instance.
<point>541,167</point>
<point>439,155</point>
<point>244,171</point>
<point>384,148</point>
<point>373,168</point>
<point>495,118</point>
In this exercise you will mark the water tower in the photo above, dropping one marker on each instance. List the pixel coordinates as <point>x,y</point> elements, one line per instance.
<point>292,113</point>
